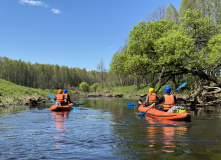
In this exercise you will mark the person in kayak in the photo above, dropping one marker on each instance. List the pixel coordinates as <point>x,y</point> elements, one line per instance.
<point>168,100</point>
<point>151,97</point>
<point>68,100</point>
<point>60,98</point>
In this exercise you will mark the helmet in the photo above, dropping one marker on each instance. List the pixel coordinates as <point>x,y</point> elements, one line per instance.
<point>151,90</point>
<point>65,91</point>
<point>167,89</point>
<point>60,91</point>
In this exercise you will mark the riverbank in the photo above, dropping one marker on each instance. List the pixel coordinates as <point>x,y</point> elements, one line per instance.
<point>131,92</point>
<point>12,94</point>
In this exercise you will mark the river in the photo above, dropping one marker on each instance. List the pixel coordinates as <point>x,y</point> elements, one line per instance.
<point>105,128</point>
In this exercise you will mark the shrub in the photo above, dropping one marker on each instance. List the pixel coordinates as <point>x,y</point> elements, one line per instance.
<point>84,86</point>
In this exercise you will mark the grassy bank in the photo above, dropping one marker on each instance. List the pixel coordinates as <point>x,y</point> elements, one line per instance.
<point>12,94</point>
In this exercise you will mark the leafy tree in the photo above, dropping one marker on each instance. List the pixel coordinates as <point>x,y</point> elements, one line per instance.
<point>207,7</point>
<point>171,14</point>
<point>186,4</point>
<point>84,86</point>
<point>139,57</point>
<point>166,50</point>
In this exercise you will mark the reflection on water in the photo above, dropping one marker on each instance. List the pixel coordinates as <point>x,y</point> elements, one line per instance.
<point>164,132</point>
<point>60,125</point>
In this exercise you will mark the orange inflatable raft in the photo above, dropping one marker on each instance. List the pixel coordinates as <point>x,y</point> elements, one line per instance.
<point>61,108</point>
<point>152,112</point>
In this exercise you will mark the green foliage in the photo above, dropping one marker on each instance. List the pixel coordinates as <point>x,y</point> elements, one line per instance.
<point>95,87</point>
<point>166,49</point>
<point>125,89</point>
<point>175,49</point>
<point>84,86</point>
<point>186,4</point>
<point>140,54</point>
<point>213,51</point>
<point>171,14</point>
<point>46,76</point>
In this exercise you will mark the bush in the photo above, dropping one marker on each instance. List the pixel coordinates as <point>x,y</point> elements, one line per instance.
<point>84,86</point>
<point>95,87</point>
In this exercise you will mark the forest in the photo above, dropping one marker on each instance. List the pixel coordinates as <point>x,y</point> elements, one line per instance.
<point>171,45</point>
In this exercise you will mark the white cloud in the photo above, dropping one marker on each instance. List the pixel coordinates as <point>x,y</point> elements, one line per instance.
<point>33,3</point>
<point>56,11</point>
<point>39,3</point>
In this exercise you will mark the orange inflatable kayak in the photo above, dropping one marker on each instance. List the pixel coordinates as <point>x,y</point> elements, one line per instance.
<point>152,112</point>
<point>61,108</point>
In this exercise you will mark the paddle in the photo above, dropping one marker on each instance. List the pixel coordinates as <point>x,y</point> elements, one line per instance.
<point>52,97</point>
<point>130,104</point>
<point>182,85</point>
<point>79,103</point>
<point>143,113</point>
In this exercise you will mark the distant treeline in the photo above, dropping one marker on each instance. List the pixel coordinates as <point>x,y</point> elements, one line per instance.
<point>46,76</point>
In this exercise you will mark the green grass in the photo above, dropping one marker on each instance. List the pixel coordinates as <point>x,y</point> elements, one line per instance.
<point>127,90</point>
<point>12,94</point>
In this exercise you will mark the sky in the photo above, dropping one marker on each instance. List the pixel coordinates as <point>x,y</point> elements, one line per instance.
<point>73,33</point>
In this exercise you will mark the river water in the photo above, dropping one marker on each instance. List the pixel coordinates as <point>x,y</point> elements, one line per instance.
<point>105,128</point>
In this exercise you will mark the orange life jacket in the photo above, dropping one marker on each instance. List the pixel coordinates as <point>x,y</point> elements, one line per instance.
<point>152,98</point>
<point>169,102</point>
<point>60,98</point>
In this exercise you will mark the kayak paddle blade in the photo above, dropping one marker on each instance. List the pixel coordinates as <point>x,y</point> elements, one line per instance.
<point>75,108</point>
<point>131,104</point>
<point>50,96</point>
<point>141,113</point>
<point>182,85</point>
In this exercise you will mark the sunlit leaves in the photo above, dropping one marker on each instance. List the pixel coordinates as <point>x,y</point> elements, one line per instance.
<point>212,53</point>
<point>174,49</point>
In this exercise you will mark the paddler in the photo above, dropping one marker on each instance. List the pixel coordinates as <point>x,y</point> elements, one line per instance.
<point>60,98</point>
<point>68,100</point>
<point>151,97</point>
<point>168,100</point>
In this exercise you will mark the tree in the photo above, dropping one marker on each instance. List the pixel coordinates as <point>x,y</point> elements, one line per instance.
<point>101,68</point>
<point>171,14</point>
<point>166,50</point>
<point>186,4</point>
<point>139,57</point>
<point>84,86</point>
<point>157,14</point>
<point>207,7</point>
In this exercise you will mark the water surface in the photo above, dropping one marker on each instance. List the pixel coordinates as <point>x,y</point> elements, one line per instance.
<point>105,128</point>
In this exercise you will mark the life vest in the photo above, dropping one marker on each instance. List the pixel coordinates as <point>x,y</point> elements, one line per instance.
<point>60,98</point>
<point>169,102</point>
<point>152,98</point>
<point>66,95</point>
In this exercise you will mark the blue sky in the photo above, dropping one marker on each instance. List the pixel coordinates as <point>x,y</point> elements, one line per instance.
<point>73,33</point>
